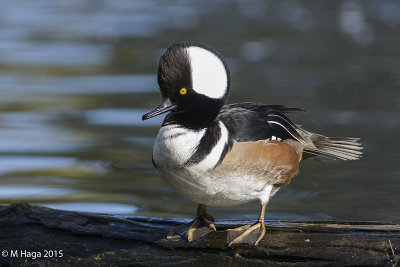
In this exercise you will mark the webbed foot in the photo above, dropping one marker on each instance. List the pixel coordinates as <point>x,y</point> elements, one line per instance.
<point>250,234</point>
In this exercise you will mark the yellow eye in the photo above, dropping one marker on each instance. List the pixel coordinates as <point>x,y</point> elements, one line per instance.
<point>183,91</point>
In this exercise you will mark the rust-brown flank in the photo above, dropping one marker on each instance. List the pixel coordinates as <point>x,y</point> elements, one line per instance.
<point>275,161</point>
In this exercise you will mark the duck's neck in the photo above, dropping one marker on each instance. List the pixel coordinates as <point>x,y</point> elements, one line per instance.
<point>200,115</point>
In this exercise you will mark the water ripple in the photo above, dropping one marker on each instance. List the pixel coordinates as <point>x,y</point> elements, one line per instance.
<point>122,117</point>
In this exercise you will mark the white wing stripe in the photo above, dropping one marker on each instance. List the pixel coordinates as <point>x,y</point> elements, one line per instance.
<point>274,122</point>
<point>288,122</point>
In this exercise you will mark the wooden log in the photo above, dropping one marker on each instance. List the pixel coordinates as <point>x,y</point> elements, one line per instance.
<point>90,239</point>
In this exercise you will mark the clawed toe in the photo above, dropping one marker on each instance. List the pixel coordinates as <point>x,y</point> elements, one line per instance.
<point>249,234</point>
<point>199,227</point>
<point>171,234</point>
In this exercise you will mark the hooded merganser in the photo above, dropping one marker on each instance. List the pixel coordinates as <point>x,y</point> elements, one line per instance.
<point>226,155</point>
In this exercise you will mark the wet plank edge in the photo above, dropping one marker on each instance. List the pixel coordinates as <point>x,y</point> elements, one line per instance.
<point>86,239</point>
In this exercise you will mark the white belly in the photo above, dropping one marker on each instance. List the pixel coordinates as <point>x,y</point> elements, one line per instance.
<point>201,183</point>
<point>218,190</point>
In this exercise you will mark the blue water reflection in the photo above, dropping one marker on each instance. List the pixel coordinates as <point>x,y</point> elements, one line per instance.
<point>121,117</point>
<point>32,192</point>
<point>25,163</point>
<point>57,54</point>
<point>97,207</point>
<point>77,85</point>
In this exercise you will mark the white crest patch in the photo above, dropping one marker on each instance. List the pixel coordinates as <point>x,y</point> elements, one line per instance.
<point>209,75</point>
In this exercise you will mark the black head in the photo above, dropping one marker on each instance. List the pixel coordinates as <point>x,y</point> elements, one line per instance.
<point>194,82</point>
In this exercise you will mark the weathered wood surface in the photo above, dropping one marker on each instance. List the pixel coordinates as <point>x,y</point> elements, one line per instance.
<point>91,240</point>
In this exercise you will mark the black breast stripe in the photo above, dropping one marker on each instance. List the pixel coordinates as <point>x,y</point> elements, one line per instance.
<point>207,143</point>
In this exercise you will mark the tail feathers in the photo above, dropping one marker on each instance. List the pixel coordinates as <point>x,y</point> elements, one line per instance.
<point>344,148</point>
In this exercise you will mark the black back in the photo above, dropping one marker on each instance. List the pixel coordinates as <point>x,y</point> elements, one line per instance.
<point>253,122</point>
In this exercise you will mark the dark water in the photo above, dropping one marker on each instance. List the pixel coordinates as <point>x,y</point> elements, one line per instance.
<point>76,76</point>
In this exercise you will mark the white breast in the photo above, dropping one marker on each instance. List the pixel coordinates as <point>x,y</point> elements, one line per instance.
<point>173,148</point>
<point>175,145</point>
